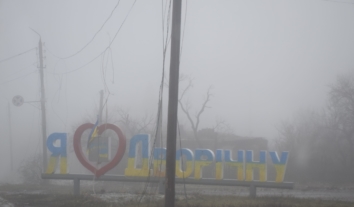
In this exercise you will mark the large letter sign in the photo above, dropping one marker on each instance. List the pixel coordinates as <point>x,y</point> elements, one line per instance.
<point>219,164</point>
<point>261,165</point>
<point>57,152</point>
<point>279,164</point>
<point>159,161</point>
<point>239,164</point>
<point>132,169</point>
<point>203,157</point>
<point>188,163</point>
<point>80,155</point>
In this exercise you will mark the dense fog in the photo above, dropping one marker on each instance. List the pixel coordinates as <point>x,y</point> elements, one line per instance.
<point>266,68</point>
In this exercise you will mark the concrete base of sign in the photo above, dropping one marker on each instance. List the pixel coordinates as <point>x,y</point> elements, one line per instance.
<point>161,187</point>
<point>253,191</point>
<point>76,186</point>
<point>226,182</point>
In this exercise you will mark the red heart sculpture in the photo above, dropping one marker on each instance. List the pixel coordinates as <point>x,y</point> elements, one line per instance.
<point>80,155</point>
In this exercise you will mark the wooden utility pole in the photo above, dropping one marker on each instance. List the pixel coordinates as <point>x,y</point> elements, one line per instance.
<point>173,106</point>
<point>159,144</point>
<point>44,121</point>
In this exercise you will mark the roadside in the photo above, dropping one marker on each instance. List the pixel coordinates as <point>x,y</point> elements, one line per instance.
<point>129,194</point>
<point>5,203</point>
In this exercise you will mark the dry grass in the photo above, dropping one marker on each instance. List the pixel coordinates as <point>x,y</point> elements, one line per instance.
<point>52,200</point>
<point>54,195</point>
<point>232,201</point>
<point>40,200</point>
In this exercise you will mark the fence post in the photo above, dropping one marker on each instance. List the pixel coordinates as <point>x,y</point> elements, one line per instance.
<point>253,191</point>
<point>76,186</point>
<point>161,187</point>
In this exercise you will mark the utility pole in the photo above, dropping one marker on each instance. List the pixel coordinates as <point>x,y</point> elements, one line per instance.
<point>10,136</point>
<point>159,142</point>
<point>44,121</point>
<point>101,108</point>
<point>159,128</point>
<point>173,106</point>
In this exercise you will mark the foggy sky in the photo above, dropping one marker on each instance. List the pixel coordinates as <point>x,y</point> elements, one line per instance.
<point>264,59</point>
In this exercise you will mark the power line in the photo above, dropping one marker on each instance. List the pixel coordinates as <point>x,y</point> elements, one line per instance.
<point>14,56</point>
<point>107,48</point>
<point>180,147</point>
<point>18,77</point>
<point>25,68</point>
<point>159,110</point>
<point>184,27</point>
<point>94,36</point>
<point>104,68</point>
<point>70,71</point>
<point>122,24</point>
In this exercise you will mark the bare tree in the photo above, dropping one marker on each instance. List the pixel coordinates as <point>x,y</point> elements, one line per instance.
<point>221,126</point>
<point>306,137</point>
<point>194,120</point>
<point>341,116</point>
<point>321,144</point>
<point>131,125</point>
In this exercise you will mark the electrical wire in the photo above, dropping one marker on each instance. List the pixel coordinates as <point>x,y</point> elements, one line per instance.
<point>104,68</point>
<point>180,146</point>
<point>116,34</point>
<point>94,36</point>
<point>122,23</point>
<point>86,64</point>
<point>32,135</point>
<point>60,78</point>
<point>23,76</point>
<point>23,69</point>
<point>159,112</point>
<point>14,56</point>
<point>166,41</point>
<point>184,29</point>
<point>39,121</point>
<point>168,36</point>
<point>151,157</point>
<point>57,93</point>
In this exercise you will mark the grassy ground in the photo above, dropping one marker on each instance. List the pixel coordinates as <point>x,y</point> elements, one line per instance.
<point>62,200</point>
<point>61,195</point>
<point>53,200</point>
<point>228,201</point>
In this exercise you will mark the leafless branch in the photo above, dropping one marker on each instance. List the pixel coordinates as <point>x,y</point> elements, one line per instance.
<point>185,90</point>
<point>207,99</point>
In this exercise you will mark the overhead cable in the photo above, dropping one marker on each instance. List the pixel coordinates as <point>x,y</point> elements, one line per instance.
<point>23,69</point>
<point>159,110</point>
<point>18,77</point>
<point>184,28</point>
<point>108,47</point>
<point>180,147</point>
<point>14,56</point>
<point>94,36</point>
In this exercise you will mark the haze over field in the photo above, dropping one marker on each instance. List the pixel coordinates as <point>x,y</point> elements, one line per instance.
<point>264,59</point>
